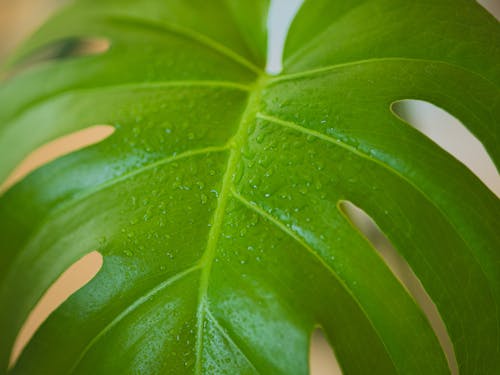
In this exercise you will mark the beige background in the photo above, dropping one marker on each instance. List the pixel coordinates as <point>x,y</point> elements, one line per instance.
<point>20,17</point>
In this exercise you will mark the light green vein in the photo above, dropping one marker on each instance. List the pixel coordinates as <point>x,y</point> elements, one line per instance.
<point>375,60</point>
<point>346,146</point>
<point>124,87</point>
<point>195,36</point>
<point>255,208</point>
<point>87,193</point>
<point>236,143</point>
<point>228,337</point>
<point>130,308</point>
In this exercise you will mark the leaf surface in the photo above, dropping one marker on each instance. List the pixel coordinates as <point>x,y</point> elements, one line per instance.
<point>216,203</point>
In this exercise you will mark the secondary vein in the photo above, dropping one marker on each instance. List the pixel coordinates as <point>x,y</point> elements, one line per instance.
<point>352,149</point>
<point>315,255</point>
<point>130,308</point>
<point>224,332</point>
<point>195,36</point>
<point>101,187</point>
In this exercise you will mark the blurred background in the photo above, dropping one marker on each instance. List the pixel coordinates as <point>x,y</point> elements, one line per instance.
<point>19,18</point>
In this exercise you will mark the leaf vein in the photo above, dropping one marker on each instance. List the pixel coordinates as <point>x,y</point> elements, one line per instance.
<point>195,36</point>
<point>346,146</point>
<point>130,308</point>
<point>248,115</point>
<point>87,193</point>
<point>228,337</point>
<point>126,86</point>
<point>257,209</point>
<point>330,68</point>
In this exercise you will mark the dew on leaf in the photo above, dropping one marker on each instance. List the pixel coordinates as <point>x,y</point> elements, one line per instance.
<point>203,199</point>
<point>259,138</point>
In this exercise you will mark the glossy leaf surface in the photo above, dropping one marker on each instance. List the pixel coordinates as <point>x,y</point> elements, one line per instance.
<point>216,203</point>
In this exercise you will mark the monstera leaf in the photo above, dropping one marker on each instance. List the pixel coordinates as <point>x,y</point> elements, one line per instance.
<point>217,203</point>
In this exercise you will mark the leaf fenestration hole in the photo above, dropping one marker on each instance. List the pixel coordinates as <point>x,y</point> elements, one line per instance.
<point>281,15</point>
<point>55,149</point>
<point>73,279</point>
<point>400,268</point>
<point>67,48</point>
<point>451,135</point>
<point>322,360</point>
<point>492,6</point>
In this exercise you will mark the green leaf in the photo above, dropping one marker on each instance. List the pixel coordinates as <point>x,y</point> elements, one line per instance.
<point>216,203</point>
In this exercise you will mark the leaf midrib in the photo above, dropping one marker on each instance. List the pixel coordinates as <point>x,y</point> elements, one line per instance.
<point>250,113</point>
<point>236,143</point>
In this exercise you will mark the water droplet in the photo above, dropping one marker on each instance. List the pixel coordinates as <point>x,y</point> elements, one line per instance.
<point>102,241</point>
<point>203,199</point>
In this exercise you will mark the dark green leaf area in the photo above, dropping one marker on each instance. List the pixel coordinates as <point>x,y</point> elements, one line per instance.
<point>217,202</point>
